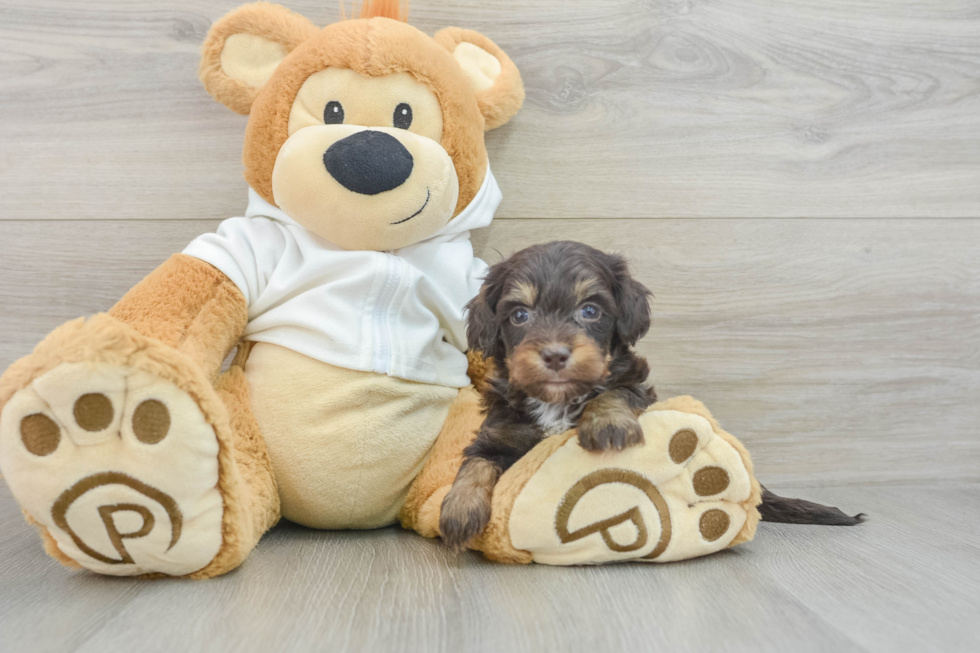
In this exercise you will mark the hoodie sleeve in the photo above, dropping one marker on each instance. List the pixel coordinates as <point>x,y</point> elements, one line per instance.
<point>246,250</point>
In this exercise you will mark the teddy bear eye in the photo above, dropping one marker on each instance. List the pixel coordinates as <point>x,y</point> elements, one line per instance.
<point>333,113</point>
<point>402,119</point>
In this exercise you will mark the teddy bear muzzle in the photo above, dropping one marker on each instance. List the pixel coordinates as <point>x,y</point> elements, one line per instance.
<point>365,188</point>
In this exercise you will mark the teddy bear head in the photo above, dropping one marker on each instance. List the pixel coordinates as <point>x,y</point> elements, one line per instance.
<point>368,132</point>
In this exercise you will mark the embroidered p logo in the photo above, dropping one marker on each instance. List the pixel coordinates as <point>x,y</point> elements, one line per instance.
<point>110,514</point>
<point>634,515</point>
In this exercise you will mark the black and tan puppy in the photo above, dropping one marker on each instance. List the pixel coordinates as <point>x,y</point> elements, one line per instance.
<point>559,321</point>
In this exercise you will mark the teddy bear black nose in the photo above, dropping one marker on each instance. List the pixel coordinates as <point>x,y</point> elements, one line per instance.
<point>368,162</point>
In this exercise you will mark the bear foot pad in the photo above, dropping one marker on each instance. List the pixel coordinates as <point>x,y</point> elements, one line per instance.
<point>681,495</point>
<point>119,466</point>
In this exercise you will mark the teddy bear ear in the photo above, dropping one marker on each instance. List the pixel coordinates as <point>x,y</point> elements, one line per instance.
<point>495,78</point>
<point>243,49</point>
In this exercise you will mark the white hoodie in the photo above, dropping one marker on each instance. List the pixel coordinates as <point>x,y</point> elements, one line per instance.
<point>398,313</point>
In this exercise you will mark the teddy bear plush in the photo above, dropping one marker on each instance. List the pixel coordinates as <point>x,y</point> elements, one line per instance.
<point>348,402</point>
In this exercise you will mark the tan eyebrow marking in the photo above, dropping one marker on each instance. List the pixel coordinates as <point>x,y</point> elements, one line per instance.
<point>586,287</point>
<point>522,293</point>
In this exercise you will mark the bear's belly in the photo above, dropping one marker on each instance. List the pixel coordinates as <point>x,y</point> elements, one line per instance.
<point>345,445</point>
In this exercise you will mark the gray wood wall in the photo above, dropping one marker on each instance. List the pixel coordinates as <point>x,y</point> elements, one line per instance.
<point>797,182</point>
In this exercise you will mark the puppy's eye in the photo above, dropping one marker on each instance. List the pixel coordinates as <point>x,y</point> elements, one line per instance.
<point>590,312</point>
<point>402,119</point>
<point>520,316</point>
<point>333,113</point>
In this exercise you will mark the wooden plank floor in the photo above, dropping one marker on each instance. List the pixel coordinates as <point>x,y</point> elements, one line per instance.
<point>904,581</point>
<point>636,108</point>
<point>681,133</point>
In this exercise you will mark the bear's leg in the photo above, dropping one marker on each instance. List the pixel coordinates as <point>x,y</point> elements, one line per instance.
<point>421,509</point>
<point>119,445</point>
<point>254,498</point>
<point>687,492</point>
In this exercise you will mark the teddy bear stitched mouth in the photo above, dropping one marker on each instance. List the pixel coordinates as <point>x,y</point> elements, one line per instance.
<point>428,195</point>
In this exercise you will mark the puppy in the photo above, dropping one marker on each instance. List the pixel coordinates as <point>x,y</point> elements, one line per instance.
<point>558,322</point>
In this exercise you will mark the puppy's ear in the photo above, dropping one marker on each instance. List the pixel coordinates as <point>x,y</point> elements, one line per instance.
<point>243,49</point>
<point>482,330</point>
<point>494,77</point>
<point>633,301</point>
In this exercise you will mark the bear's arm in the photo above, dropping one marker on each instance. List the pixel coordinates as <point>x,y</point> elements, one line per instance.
<point>189,305</point>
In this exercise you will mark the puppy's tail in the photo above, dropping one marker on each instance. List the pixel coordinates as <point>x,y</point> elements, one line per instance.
<point>775,508</point>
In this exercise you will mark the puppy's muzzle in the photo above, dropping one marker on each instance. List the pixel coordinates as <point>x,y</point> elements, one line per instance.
<point>369,162</point>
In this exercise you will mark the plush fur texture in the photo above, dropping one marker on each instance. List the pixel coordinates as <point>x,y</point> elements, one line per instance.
<point>250,507</point>
<point>260,495</point>
<point>270,21</point>
<point>189,305</point>
<point>687,404</point>
<point>371,47</point>
<point>393,9</point>
<point>303,407</point>
<point>179,323</point>
<point>500,102</point>
<point>420,511</point>
<point>495,541</point>
<point>480,369</point>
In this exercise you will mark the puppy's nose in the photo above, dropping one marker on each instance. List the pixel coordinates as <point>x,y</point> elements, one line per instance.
<point>368,162</point>
<point>555,357</point>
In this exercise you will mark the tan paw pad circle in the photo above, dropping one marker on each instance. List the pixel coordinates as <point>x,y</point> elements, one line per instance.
<point>40,434</point>
<point>682,445</point>
<point>151,421</point>
<point>714,523</point>
<point>709,481</point>
<point>93,412</point>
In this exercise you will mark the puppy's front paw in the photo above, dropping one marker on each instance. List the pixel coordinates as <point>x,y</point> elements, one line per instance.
<point>604,430</point>
<point>464,516</point>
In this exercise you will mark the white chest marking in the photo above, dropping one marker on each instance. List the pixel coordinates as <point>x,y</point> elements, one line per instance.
<point>555,418</point>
